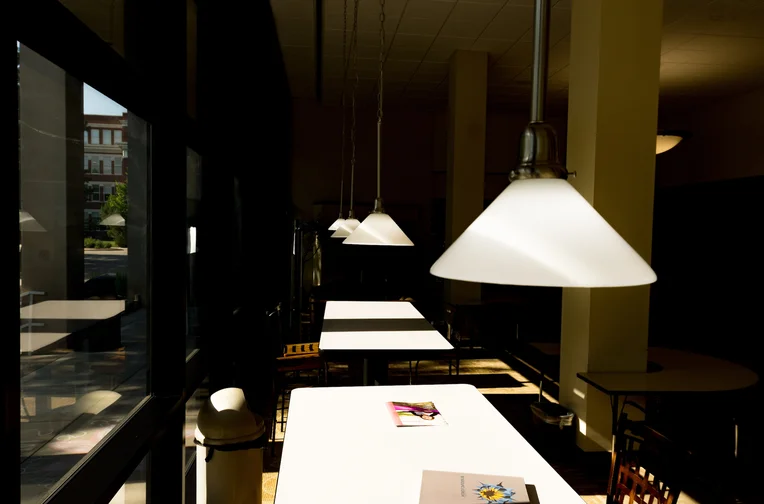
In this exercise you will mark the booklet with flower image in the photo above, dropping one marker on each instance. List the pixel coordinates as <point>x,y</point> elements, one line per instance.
<point>419,414</point>
<point>441,487</point>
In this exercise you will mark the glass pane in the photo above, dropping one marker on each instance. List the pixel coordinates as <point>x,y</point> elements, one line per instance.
<point>95,135</point>
<point>82,296</point>
<point>107,136</point>
<point>193,197</point>
<point>134,489</point>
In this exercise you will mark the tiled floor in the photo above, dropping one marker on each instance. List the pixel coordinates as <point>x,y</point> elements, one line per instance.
<point>511,393</point>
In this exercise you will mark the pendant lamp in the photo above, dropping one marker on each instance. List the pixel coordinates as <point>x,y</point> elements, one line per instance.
<point>379,228</point>
<point>337,223</point>
<point>667,140</point>
<point>347,226</point>
<point>540,231</point>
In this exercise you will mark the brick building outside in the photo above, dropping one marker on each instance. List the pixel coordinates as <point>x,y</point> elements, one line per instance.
<point>105,162</point>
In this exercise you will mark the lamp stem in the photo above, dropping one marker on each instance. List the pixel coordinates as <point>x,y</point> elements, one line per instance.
<point>344,92</point>
<point>540,59</point>
<point>354,59</point>
<point>380,94</point>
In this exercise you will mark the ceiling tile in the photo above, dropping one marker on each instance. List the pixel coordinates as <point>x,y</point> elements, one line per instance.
<point>407,53</point>
<point>444,47</point>
<point>432,9</point>
<point>559,55</point>
<point>413,41</point>
<point>437,68</point>
<point>419,25</point>
<point>520,54</point>
<point>559,26</point>
<point>494,47</point>
<point>474,11</point>
<point>510,24</point>
<point>671,40</point>
<point>460,28</point>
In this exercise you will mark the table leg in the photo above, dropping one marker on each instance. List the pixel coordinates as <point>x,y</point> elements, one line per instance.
<point>614,431</point>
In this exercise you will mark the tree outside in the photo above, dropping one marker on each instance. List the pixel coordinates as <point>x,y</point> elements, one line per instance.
<point>117,203</point>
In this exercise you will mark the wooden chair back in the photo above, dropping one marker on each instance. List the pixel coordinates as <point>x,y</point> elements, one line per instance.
<point>648,468</point>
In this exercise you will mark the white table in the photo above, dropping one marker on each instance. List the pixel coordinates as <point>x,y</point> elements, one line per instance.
<point>341,446</point>
<point>67,316</point>
<point>379,330</point>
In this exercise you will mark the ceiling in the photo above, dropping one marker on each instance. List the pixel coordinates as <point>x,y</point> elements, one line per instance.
<point>709,49</point>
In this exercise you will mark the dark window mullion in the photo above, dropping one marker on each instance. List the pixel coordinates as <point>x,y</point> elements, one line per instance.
<point>156,44</point>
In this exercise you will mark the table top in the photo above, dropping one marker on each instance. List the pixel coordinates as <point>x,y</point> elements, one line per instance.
<point>378,325</point>
<point>74,309</point>
<point>33,341</point>
<point>341,446</point>
<point>683,372</point>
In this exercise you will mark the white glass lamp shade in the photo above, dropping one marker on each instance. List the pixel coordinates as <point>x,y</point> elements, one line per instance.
<point>346,228</point>
<point>336,224</point>
<point>378,229</point>
<point>542,232</point>
<point>666,142</point>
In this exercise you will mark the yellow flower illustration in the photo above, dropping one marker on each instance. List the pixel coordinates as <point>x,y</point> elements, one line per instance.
<point>490,494</point>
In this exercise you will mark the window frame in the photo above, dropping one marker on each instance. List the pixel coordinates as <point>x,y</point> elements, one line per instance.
<point>155,425</point>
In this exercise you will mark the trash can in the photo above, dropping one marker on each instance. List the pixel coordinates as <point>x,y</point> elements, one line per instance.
<point>553,436</point>
<point>229,455</point>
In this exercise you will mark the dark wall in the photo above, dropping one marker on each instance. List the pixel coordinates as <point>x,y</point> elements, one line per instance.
<point>708,254</point>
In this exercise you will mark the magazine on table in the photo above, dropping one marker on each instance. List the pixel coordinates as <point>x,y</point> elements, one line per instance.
<point>441,487</point>
<point>415,414</point>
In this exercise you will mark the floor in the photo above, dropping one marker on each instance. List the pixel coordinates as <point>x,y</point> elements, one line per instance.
<point>511,393</point>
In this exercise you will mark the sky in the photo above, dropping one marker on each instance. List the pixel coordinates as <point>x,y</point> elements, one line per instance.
<point>97,103</point>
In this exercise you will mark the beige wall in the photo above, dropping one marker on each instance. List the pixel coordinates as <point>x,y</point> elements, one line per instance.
<point>413,159</point>
<point>726,142</point>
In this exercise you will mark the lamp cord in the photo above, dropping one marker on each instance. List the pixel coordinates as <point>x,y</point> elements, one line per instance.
<point>344,89</point>
<point>354,58</point>
<point>380,94</point>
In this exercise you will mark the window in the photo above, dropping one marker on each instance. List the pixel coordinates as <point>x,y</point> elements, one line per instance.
<point>95,136</point>
<point>61,420</point>
<point>107,166</point>
<point>118,166</point>
<point>85,137</point>
<point>107,136</point>
<point>117,136</point>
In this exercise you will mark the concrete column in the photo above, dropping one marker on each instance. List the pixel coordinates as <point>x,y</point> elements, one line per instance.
<point>466,154</point>
<point>612,121</point>
<point>52,179</point>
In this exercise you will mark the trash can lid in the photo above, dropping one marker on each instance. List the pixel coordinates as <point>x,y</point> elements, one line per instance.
<point>225,419</point>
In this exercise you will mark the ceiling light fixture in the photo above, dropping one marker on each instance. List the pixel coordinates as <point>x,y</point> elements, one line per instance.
<point>379,228</point>
<point>351,223</point>
<point>337,223</point>
<point>540,231</point>
<point>667,140</point>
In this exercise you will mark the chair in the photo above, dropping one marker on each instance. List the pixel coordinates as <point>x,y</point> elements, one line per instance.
<point>291,358</point>
<point>454,337</point>
<point>647,467</point>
